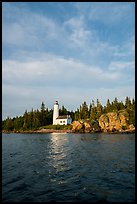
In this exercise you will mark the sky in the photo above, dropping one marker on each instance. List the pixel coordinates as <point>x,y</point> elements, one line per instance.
<point>66,51</point>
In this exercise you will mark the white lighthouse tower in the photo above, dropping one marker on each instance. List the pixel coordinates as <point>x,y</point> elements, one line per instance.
<point>55,112</point>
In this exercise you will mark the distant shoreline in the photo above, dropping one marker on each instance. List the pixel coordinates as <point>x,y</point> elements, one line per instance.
<point>61,131</point>
<point>39,131</point>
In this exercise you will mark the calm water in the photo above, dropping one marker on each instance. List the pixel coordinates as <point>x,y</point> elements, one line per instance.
<point>68,167</point>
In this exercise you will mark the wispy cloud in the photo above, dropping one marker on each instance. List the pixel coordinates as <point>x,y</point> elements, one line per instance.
<point>79,34</point>
<point>29,30</point>
<point>122,66</point>
<point>110,13</point>
<point>55,70</point>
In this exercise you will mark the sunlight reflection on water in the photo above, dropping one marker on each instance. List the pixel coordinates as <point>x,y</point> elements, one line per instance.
<point>68,167</point>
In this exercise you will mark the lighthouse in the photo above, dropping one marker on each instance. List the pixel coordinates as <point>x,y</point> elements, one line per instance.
<point>60,120</point>
<point>55,112</point>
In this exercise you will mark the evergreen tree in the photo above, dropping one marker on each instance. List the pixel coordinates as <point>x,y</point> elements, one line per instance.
<point>93,112</point>
<point>9,124</point>
<point>128,103</point>
<point>77,114</point>
<point>131,110</point>
<point>26,121</point>
<point>72,114</point>
<point>90,106</point>
<point>4,125</point>
<point>36,122</point>
<point>121,106</point>
<point>42,107</point>
<point>98,109</point>
<point>18,123</point>
<point>42,116</point>
<point>63,111</point>
<point>50,117</point>
<point>133,102</point>
<point>131,117</point>
<point>104,110</point>
<point>31,119</point>
<point>115,105</point>
<point>84,111</point>
<point>108,106</point>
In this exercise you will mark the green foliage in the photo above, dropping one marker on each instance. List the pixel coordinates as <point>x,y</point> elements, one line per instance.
<point>98,109</point>
<point>93,111</point>
<point>57,127</point>
<point>115,105</point>
<point>30,120</point>
<point>131,116</point>
<point>63,111</point>
<point>18,123</point>
<point>84,114</point>
<point>128,103</point>
<point>77,115</point>
<point>9,125</point>
<point>108,106</point>
<point>124,127</point>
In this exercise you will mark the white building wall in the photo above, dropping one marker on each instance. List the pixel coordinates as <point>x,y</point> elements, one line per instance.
<point>65,121</point>
<point>62,121</point>
<point>55,113</point>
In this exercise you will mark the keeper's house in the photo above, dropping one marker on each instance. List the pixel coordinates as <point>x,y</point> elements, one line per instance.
<point>60,120</point>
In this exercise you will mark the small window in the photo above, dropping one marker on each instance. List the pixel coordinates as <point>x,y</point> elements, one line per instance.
<point>60,121</point>
<point>64,121</point>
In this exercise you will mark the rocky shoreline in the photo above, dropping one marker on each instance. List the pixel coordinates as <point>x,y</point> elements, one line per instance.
<point>39,131</point>
<point>65,131</point>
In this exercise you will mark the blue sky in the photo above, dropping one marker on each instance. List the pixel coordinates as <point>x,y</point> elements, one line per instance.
<point>71,52</point>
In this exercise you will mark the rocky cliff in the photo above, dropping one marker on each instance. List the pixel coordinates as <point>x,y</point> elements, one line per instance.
<point>113,121</point>
<point>85,126</point>
<point>110,122</point>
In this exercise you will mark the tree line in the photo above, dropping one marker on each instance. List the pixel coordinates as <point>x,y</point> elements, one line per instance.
<point>36,118</point>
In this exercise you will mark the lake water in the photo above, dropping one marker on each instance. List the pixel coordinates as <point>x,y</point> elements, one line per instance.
<point>68,167</point>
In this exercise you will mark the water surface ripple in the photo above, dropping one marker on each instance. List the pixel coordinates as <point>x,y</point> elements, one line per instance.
<point>68,167</point>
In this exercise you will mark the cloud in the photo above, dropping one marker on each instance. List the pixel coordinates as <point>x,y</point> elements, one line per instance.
<point>52,70</point>
<point>79,34</point>
<point>29,30</point>
<point>45,77</point>
<point>122,65</point>
<point>109,13</point>
<point>127,50</point>
<point>87,42</point>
